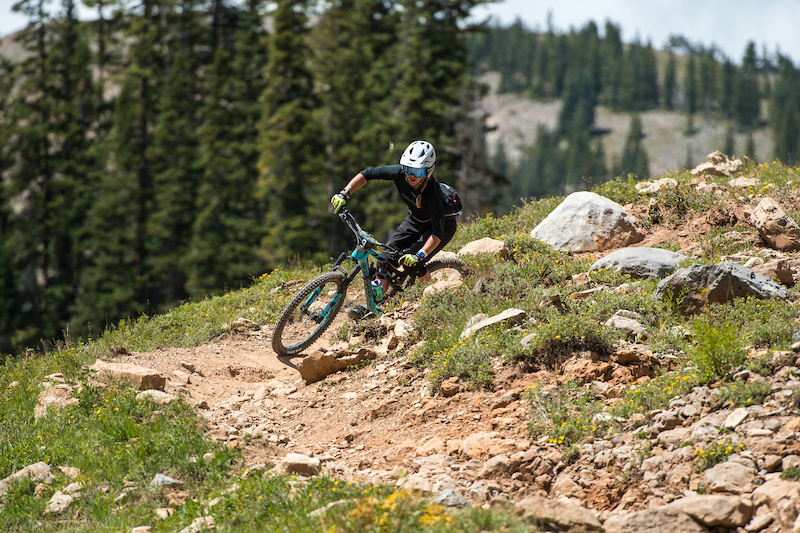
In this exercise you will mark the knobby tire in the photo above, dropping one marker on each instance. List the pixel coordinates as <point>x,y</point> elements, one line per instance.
<point>297,328</point>
<point>441,264</point>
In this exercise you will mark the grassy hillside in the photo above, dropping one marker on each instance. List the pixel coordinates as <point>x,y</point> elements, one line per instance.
<point>119,442</point>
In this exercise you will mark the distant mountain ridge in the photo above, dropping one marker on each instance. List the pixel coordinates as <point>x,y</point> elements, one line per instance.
<point>514,119</point>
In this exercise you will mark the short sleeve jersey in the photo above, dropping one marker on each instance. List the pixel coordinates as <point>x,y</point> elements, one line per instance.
<point>432,204</point>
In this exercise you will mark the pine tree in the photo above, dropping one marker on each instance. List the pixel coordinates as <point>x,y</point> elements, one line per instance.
<point>578,103</point>
<point>50,116</point>
<point>357,118</point>
<point>729,147</point>
<point>229,219</point>
<point>10,243</point>
<point>634,157</point>
<point>670,83</point>
<point>639,79</point>
<point>117,281</point>
<point>690,93</point>
<point>725,91</point>
<point>787,143</point>
<point>173,153</point>
<point>290,165</point>
<point>746,95</point>
<point>611,60</point>
<point>708,81</point>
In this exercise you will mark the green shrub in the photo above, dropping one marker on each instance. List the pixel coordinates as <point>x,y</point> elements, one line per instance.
<point>563,336</point>
<point>655,394</point>
<point>718,350</point>
<point>743,394</point>
<point>468,359</point>
<point>792,473</point>
<point>760,323</point>
<point>713,454</point>
<point>564,414</point>
<point>620,189</point>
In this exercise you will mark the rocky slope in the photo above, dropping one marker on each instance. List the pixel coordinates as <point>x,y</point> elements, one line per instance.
<point>379,422</point>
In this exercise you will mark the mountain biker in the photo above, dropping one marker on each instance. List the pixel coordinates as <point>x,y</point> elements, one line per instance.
<point>426,229</point>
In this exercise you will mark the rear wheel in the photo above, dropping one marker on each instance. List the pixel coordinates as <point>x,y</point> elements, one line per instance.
<point>449,268</point>
<point>308,314</point>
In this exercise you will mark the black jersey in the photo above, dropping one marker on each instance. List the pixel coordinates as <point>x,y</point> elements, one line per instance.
<point>432,204</point>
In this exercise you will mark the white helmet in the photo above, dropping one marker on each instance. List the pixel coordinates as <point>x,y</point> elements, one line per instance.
<point>419,154</point>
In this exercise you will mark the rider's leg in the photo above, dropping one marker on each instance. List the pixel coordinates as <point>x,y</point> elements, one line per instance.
<point>450,227</point>
<point>407,235</point>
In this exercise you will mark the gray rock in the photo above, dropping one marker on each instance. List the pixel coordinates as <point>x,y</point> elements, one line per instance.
<point>59,503</point>
<point>587,222</point>
<point>142,377</point>
<point>775,225</point>
<point>38,472</point>
<point>693,287</point>
<point>509,316</point>
<point>450,498</point>
<point>731,476</point>
<point>297,463</point>
<point>759,522</point>
<point>161,480</point>
<point>319,364</point>
<point>735,418</point>
<point>715,510</point>
<point>565,513</point>
<point>54,398</point>
<point>640,262</point>
<point>629,325</point>
<point>659,520</point>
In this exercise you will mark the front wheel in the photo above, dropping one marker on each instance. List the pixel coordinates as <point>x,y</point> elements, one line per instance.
<point>309,313</point>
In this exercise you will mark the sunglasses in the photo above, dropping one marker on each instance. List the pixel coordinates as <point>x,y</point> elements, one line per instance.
<point>417,172</point>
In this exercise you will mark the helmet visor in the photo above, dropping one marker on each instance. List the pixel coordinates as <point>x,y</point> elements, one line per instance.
<point>418,172</point>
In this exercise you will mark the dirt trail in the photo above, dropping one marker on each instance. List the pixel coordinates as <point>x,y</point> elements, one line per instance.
<point>357,417</point>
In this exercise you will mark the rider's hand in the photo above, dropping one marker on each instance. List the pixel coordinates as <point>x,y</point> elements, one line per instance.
<point>409,260</point>
<point>338,201</point>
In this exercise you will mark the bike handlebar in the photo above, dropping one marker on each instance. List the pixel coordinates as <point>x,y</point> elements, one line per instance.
<point>362,236</point>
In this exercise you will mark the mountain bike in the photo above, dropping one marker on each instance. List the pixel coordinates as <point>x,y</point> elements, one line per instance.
<point>312,310</point>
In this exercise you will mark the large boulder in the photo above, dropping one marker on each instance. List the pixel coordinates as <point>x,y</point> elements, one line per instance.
<point>641,262</point>
<point>658,520</point>
<point>587,222</point>
<point>319,365</point>
<point>718,164</point>
<point>565,513</point>
<point>776,226</point>
<point>486,245</point>
<point>693,287</point>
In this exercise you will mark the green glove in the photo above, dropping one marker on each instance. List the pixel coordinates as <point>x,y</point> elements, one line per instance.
<point>338,201</point>
<point>409,260</point>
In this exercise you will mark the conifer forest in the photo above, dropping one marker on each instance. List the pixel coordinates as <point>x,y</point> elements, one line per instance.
<point>170,150</point>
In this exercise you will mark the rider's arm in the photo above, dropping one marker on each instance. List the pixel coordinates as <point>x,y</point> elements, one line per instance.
<point>356,183</point>
<point>430,245</point>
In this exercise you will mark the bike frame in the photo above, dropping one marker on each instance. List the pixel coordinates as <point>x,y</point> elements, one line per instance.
<point>367,247</point>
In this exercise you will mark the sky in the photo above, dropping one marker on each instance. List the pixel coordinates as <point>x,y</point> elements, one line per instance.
<point>728,24</point>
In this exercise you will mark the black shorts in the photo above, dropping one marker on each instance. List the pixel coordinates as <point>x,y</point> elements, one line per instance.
<point>411,234</point>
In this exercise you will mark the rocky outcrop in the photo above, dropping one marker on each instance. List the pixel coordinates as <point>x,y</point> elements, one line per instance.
<point>693,287</point>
